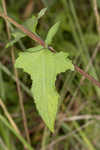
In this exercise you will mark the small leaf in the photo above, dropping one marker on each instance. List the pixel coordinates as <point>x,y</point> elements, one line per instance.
<point>42,12</point>
<point>17,35</point>
<point>52,33</point>
<point>30,24</point>
<point>43,66</point>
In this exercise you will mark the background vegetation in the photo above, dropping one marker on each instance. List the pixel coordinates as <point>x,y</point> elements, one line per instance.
<point>78,121</point>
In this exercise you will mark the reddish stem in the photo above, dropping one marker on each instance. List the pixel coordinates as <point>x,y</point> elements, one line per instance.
<point>41,42</point>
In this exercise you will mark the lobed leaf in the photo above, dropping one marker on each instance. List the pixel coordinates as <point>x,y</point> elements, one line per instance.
<point>43,66</point>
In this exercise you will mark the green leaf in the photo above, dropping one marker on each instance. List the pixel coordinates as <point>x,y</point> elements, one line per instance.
<point>42,12</point>
<point>30,24</point>
<point>17,35</point>
<point>52,33</point>
<point>43,66</point>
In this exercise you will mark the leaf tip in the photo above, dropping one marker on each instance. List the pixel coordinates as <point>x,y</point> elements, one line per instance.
<point>41,13</point>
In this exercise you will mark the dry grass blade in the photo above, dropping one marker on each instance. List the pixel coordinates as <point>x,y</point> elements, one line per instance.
<point>16,75</point>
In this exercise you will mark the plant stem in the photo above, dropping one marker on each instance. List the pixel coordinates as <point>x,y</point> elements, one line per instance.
<point>22,28</point>
<point>41,42</point>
